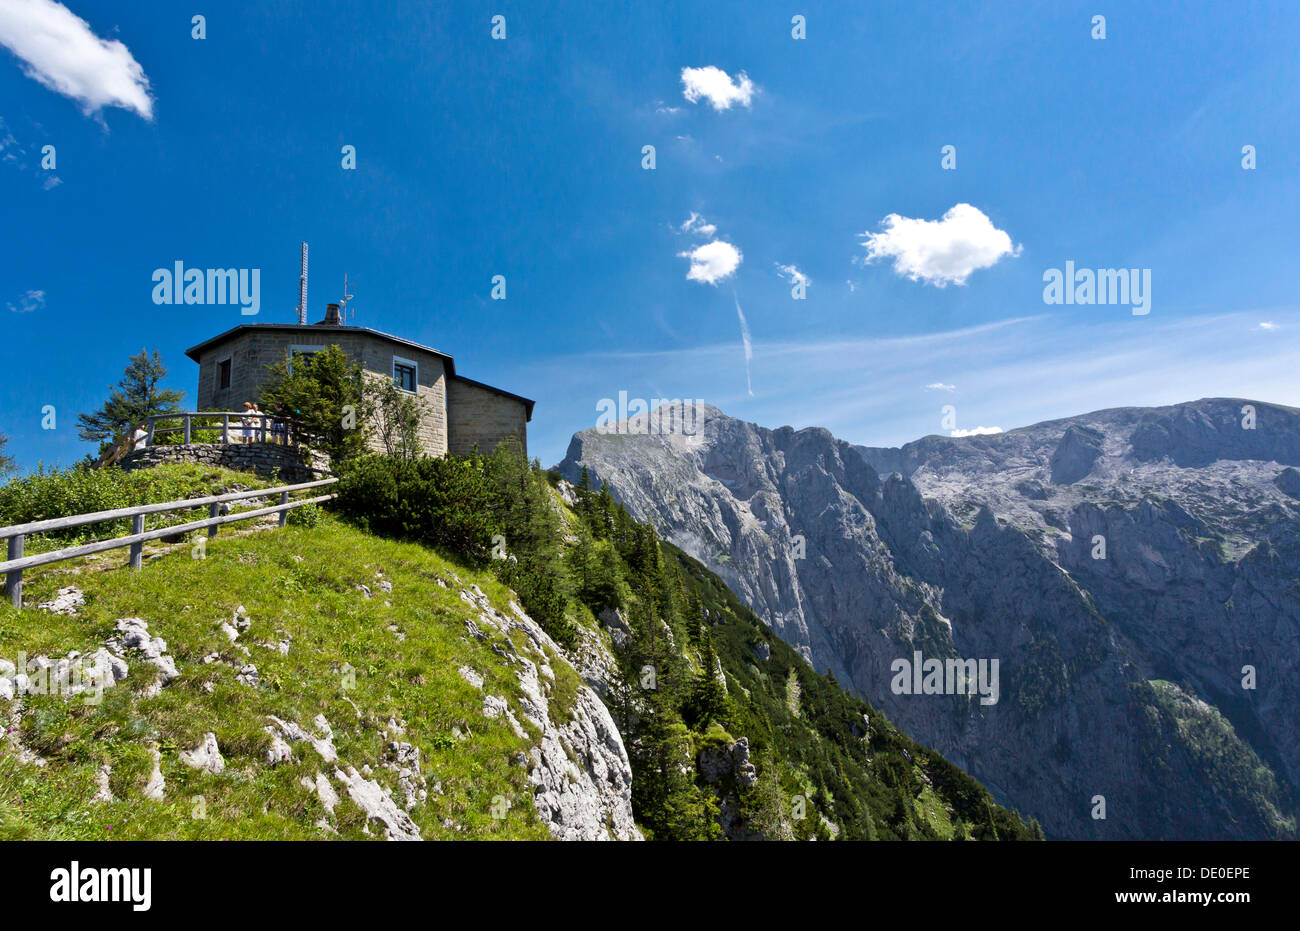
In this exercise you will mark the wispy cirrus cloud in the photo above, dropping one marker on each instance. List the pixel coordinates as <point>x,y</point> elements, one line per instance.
<point>697,224</point>
<point>792,274</point>
<point>30,301</point>
<point>748,344</point>
<point>976,431</point>
<point>717,87</point>
<point>940,252</point>
<point>59,49</point>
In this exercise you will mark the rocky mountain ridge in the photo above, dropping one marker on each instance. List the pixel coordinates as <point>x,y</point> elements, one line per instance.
<point>1132,570</point>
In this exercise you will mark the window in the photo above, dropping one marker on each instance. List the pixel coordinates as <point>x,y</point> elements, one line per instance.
<point>299,349</point>
<point>223,373</point>
<point>405,374</point>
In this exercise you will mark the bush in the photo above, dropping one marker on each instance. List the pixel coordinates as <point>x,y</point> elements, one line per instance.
<point>444,503</point>
<point>309,515</point>
<point>51,492</point>
<point>80,489</point>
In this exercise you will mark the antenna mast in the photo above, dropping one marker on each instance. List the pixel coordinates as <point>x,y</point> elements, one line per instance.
<point>343,304</point>
<point>302,289</point>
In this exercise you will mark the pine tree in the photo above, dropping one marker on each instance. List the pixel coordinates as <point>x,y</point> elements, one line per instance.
<point>7,463</point>
<point>136,397</point>
<point>709,697</point>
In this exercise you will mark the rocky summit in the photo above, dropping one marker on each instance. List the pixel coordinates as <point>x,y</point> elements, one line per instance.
<point>1133,572</point>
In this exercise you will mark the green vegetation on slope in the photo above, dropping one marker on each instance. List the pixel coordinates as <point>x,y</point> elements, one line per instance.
<point>298,585</point>
<point>1182,734</point>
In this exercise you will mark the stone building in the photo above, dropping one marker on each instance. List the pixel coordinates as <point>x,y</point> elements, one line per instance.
<point>460,413</point>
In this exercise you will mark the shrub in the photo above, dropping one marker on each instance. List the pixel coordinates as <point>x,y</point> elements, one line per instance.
<point>53,492</point>
<point>309,515</point>
<point>443,503</point>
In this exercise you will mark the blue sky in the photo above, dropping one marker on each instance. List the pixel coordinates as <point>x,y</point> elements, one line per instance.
<point>522,157</point>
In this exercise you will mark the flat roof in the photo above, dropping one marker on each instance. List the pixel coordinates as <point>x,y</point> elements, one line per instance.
<point>194,351</point>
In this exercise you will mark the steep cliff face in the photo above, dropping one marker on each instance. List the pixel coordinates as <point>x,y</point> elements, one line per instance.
<point>1121,567</point>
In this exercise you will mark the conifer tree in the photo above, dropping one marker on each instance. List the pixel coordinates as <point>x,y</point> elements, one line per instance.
<point>136,397</point>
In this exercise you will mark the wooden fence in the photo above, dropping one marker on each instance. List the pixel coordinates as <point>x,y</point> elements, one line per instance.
<point>15,564</point>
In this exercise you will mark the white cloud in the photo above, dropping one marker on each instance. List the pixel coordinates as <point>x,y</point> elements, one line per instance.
<point>30,301</point>
<point>697,224</point>
<point>712,262</point>
<point>940,386</point>
<point>59,50</point>
<point>1268,325</point>
<point>977,431</point>
<point>940,252</point>
<point>716,86</point>
<point>793,274</point>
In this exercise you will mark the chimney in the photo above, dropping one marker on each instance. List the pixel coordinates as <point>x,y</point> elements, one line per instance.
<point>332,316</point>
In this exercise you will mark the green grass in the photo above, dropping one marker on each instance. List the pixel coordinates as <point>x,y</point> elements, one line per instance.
<point>331,625</point>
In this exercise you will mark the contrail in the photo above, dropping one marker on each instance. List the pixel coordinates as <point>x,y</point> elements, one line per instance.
<point>749,347</point>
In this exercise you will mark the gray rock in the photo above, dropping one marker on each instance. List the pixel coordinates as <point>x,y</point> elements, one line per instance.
<point>717,764</point>
<point>206,756</point>
<point>294,733</point>
<point>66,601</point>
<point>153,789</point>
<point>103,793</point>
<point>378,805</point>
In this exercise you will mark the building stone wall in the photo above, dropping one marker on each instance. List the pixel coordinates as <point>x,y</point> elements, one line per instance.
<point>252,351</point>
<point>292,464</point>
<point>480,417</point>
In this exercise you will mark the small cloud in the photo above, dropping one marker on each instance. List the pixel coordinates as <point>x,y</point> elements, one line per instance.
<point>940,386</point>
<point>712,262</point>
<point>667,111</point>
<point>792,274</point>
<point>30,301</point>
<point>852,286</point>
<point>940,252</point>
<point>59,50</point>
<point>717,87</point>
<point>697,224</point>
<point>978,431</point>
<point>52,182</point>
<point>1268,325</point>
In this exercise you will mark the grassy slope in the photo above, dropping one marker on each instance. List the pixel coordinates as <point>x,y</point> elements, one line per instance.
<point>331,624</point>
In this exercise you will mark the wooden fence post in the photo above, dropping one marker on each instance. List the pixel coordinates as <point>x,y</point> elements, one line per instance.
<point>14,578</point>
<point>137,549</point>
<point>213,511</point>
<point>225,429</point>
<point>284,515</point>
<point>187,429</point>
<point>148,440</point>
